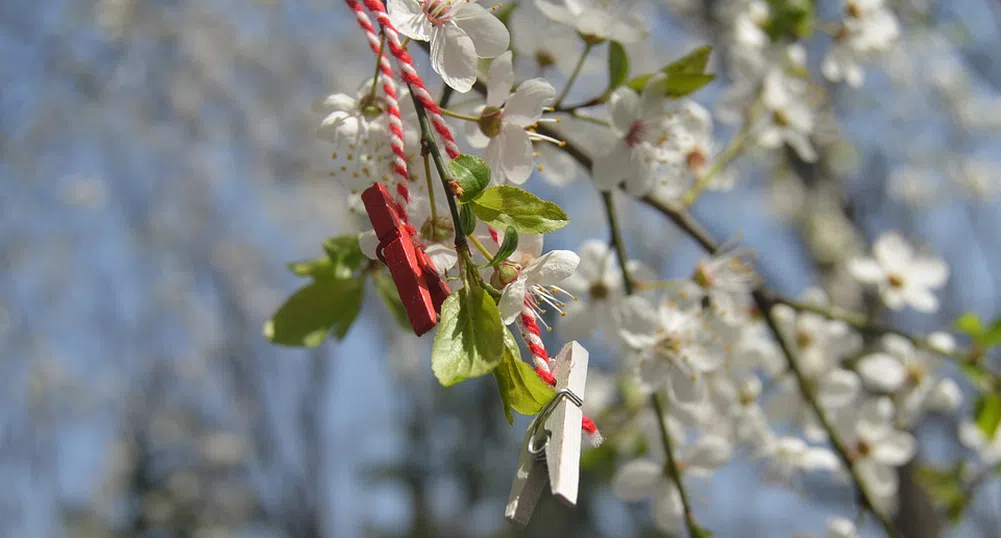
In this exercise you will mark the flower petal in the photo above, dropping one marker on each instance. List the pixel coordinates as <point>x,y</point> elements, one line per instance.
<point>921,299</point>
<point>511,301</point>
<point>624,106</point>
<point>409,19</point>
<point>636,480</point>
<point>500,79</point>
<point>609,169</point>
<point>443,257</point>
<point>838,388</point>
<point>525,106</point>
<point>709,452</point>
<point>552,267</point>
<point>881,479</point>
<point>895,449</point>
<point>490,36</point>
<point>687,387</point>
<point>667,508</point>
<point>892,251</point>
<point>866,270</point>
<point>638,321</point>
<point>474,134</point>
<point>453,56</point>
<point>558,13</point>
<point>368,242</point>
<point>820,459</point>
<point>516,154</point>
<point>882,371</point>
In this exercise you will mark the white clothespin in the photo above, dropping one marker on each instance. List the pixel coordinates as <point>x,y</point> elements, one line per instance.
<point>551,451</point>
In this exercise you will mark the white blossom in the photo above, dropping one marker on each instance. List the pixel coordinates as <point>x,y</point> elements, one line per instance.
<point>504,119</point>
<point>616,20</point>
<point>460,31</point>
<point>903,277</point>
<point>640,124</point>
<point>670,346</point>
<point>536,281</point>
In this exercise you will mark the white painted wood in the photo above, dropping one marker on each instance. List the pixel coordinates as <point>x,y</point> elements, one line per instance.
<point>563,450</point>
<point>529,481</point>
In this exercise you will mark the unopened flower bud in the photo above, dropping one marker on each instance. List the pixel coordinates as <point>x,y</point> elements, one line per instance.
<point>504,275</point>
<point>437,230</point>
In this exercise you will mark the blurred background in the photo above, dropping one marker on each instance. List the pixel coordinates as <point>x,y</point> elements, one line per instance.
<point>157,171</point>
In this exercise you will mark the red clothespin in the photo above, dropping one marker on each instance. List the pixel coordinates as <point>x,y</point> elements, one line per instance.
<point>396,249</point>
<point>436,284</point>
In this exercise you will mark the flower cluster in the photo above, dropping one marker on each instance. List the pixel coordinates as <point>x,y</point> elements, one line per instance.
<point>731,367</point>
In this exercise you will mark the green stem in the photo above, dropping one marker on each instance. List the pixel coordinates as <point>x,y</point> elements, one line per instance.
<point>616,240</point>
<point>429,146</point>
<point>457,115</point>
<point>378,63</point>
<point>573,75</point>
<point>765,306</point>
<point>479,246</point>
<point>864,324</point>
<point>434,207</point>
<point>674,473</point>
<point>672,468</point>
<point>733,149</point>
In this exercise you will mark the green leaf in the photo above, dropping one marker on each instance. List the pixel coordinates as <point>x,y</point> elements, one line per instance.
<point>345,254</point>
<point>314,311</point>
<point>318,268</point>
<point>618,66</point>
<point>977,374</point>
<point>700,532</point>
<point>987,413</point>
<point>693,63</point>
<point>507,247</point>
<point>969,324</point>
<point>386,289</point>
<point>944,485</point>
<point>685,75</point>
<point>467,220</point>
<point>507,205</point>
<point>992,335</point>
<point>472,173</point>
<point>790,19</point>
<point>683,84</point>
<point>521,389</point>
<point>470,339</point>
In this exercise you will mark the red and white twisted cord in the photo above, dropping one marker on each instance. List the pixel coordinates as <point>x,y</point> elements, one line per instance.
<point>392,109</point>
<point>409,75</point>
<point>532,336</point>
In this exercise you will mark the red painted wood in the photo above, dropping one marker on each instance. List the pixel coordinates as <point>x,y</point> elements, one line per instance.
<point>397,251</point>
<point>436,284</point>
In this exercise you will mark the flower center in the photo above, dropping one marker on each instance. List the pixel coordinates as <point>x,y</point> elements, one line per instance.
<point>696,159</point>
<point>598,291</point>
<point>703,276</point>
<point>544,58</point>
<point>895,280</point>
<point>491,121</point>
<point>803,339</point>
<point>370,107</point>
<point>438,11</point>
<point>668,346</point>
<point>915,373</point>
<point>863,448</point>
<point>636,134</point>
